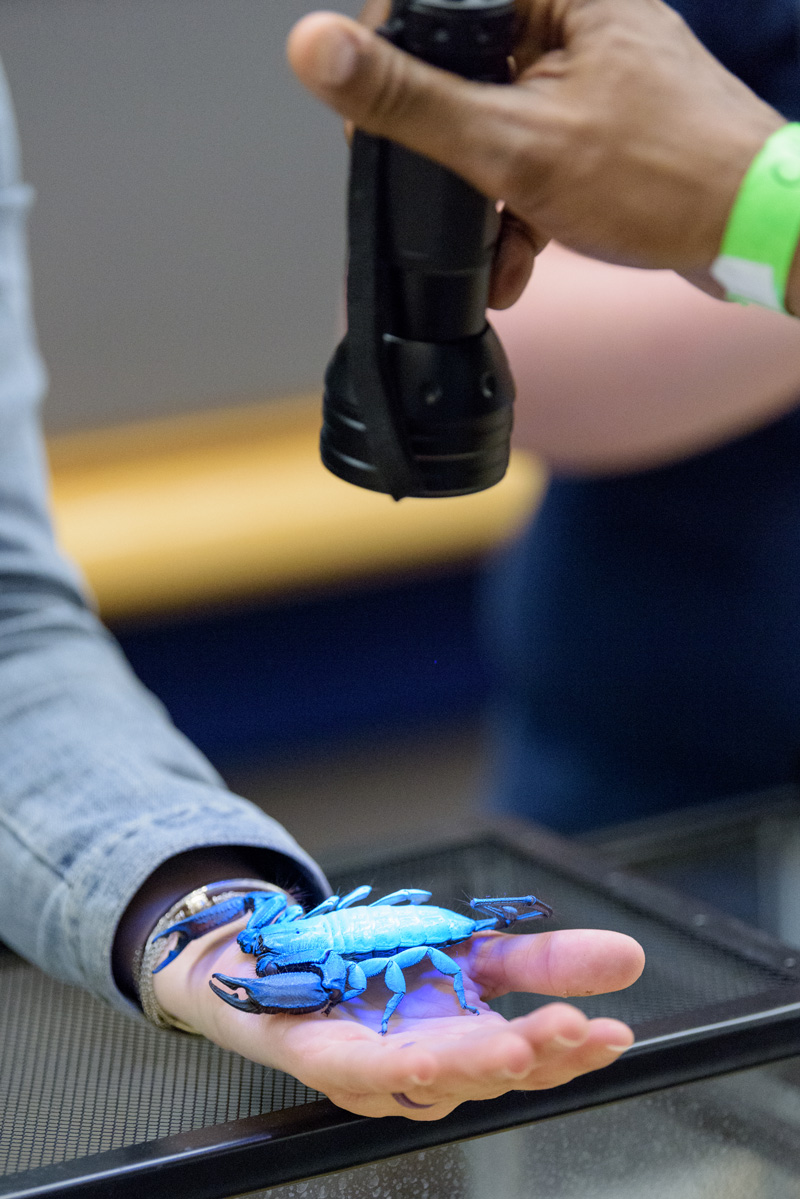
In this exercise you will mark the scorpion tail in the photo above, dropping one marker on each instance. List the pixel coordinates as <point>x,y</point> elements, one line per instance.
<point>507,910</point>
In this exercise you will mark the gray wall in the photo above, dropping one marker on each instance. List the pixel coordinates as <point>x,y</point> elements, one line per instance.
<point>188,238</point>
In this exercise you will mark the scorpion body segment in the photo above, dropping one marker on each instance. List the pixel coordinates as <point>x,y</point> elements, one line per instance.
<point>312,962</point>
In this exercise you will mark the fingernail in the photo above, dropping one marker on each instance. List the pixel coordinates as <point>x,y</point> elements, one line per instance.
<point>404,1101</point>
<point>568,1042</point>
<point>617,1048</point>
<point>515,1073</point>
<point>335,59</point>
<point>419,1082</point>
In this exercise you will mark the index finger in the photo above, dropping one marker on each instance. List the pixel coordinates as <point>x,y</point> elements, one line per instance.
<point>566,962</point>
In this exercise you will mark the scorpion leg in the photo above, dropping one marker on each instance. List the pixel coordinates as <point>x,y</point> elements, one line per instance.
<point>267,907</point>
<point>293,912</point>
<point>328,905</point>
<point>356,981</point>
<point>393,977</point>
<point>507,910</point>
<point>334,903</point>
<point>443,963</point>
<point>353,897</point>
<point>392,969</point>
<point>408,895</point>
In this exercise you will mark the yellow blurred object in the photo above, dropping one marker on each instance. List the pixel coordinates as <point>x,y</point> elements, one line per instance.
<point>218,506</point>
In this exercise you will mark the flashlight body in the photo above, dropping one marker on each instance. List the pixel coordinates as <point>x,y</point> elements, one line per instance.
<point>418,396</point>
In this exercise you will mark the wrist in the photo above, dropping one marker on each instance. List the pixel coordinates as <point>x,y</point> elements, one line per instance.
<point>209,915</point>
<point>724,176</point>
<point>181,991</point>
<point>165,886</point>
<point>176,878</point>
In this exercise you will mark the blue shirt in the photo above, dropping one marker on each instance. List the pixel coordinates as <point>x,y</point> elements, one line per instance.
<point>646,628</point>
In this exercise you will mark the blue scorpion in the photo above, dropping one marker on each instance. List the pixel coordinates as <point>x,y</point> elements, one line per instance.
<point>312,961</point>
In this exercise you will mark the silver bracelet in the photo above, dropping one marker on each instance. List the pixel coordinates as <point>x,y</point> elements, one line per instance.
<point>153,952</point>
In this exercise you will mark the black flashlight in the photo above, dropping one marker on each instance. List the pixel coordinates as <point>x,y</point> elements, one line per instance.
<point>418,395</point>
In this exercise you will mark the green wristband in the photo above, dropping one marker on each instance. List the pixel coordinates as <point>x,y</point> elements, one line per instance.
<point>764,225</point>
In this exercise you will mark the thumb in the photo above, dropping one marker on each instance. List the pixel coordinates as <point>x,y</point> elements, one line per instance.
<point>389,93</point>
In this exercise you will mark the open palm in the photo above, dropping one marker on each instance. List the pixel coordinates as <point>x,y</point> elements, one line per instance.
<point>435,1055</point>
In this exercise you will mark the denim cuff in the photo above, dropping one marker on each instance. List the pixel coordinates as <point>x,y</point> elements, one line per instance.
<point>83,911</point>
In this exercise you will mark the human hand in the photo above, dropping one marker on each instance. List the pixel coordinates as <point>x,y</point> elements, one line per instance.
<point>435,1055</point>
<point>623,138</point>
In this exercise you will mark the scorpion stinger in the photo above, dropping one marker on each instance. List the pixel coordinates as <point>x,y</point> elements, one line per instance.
<point>509,909</point>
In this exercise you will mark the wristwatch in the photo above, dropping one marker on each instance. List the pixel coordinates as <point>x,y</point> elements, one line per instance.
<point>155,950</point>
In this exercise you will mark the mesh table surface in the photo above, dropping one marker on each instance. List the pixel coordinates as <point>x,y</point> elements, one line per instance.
<point>76,1079</point>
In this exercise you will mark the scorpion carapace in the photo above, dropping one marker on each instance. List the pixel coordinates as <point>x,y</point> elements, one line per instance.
<point>311,961</point>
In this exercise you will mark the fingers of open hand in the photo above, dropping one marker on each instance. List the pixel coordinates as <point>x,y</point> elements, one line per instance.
<point>566,962</point>
<point>566,1048</point>
<point>543,1049</point>
<point>465,1060</point>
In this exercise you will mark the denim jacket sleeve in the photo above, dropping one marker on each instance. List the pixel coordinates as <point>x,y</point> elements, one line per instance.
<point>97,788</point>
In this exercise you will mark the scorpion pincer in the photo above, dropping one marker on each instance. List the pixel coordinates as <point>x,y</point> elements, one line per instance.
<point>312,961</point>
